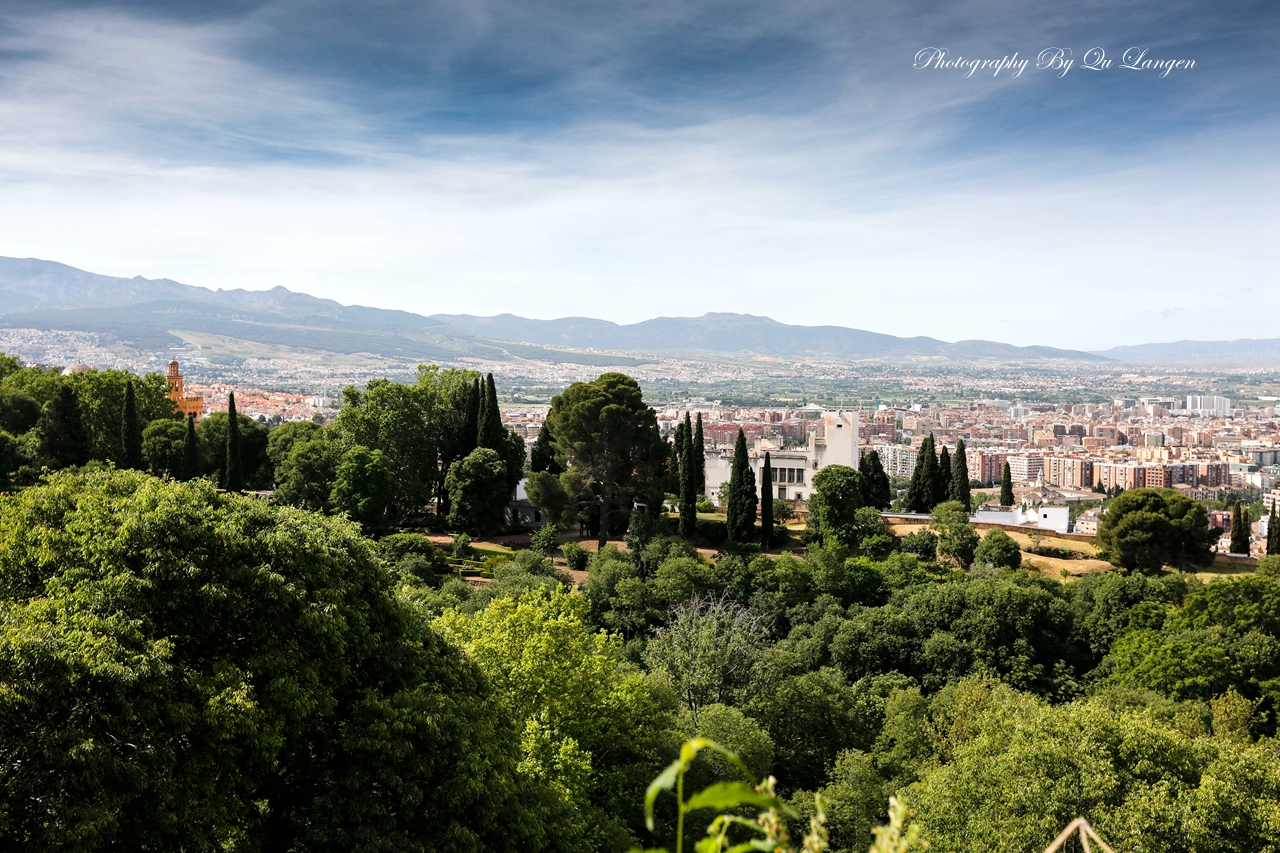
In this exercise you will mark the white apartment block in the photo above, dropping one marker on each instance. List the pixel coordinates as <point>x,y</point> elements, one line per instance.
<point>898,460</point>
<point>1209,406</point>
<point>1025,466</point>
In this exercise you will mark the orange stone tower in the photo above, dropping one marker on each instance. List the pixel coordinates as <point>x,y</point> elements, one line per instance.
<point>188,405</point>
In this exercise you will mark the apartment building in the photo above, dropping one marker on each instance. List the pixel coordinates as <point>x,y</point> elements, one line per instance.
<point>1068,472</point>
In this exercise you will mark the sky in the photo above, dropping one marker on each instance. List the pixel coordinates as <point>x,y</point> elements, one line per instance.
<point>806,160</point>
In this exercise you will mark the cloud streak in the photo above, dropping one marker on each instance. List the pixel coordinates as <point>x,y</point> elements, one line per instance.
<point>567,158</point>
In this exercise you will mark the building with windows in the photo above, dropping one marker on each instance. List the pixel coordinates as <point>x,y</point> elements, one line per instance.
<point>833,442</point>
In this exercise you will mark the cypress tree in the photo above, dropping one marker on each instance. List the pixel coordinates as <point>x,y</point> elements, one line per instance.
<point>960,476</point>
<point>699,459</point>
<point>919,497</point>
<point>64,440</point>
<point>766,502</point>
<point>131,431</point>
<point>688,497</point>
<point>470,419</point>
<point>877,481</point>
<point>1006,486</point>
<point>1239,531</point>
<point>1273,533</point>
<point>942,486</point>
<point>191,451</point>
<point>234,473</point>
<point>543,455</point>
<point>492,434</point>
<point>742,494</point>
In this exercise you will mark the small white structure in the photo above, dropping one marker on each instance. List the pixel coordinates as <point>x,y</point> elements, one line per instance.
<point>834,442</point>
<point>1056,519</point>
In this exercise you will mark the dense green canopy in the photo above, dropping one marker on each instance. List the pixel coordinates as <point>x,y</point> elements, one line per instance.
<point>180,670</point>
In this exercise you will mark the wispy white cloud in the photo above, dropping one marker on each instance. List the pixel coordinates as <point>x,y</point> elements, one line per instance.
<point>187,148</point>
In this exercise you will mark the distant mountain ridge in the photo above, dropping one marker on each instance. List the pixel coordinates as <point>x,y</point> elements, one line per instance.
<point>1243,351</point>
<point>738,333</point>
<point>145,312</point>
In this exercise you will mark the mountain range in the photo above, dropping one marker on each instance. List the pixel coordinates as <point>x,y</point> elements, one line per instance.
<point>149,314</point>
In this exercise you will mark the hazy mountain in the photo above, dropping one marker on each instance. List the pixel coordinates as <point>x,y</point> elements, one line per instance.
<point>739,333</point>
<point>1243,352</point>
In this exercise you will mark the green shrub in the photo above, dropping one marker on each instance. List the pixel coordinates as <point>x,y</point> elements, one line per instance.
<point>713,531</point>
<point>576,556</point>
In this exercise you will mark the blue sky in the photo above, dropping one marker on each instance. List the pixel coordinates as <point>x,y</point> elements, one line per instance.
<point>629,160</point>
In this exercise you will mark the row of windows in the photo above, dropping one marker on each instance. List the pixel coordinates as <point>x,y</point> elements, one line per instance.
<point>788,475</point>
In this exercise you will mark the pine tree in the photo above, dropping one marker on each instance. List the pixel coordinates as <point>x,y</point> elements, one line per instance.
<point>766,502</point>
<point>688,497</point>
<point>742,494</point>
<point>64,440</point>
<point>960,477</point>
<point>492,434</point>
<point>919,497</point>
<point>131,431</point>
<point>1006,486</point>
<point>235,466</point>
<point>191,451</point>
<point>942,486</point>
<point>1239,531</point>
<point>699,459</point>
<point>1273,533</point>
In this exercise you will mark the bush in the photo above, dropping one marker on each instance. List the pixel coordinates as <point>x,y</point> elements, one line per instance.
<point>546,540</point>
<point>576,556</point>
<point>1269,566</point>
<point>705,507</point>
<point>922,543</point>
<point>997,548</point>
<point>461,546</point>
<point>715,532</point>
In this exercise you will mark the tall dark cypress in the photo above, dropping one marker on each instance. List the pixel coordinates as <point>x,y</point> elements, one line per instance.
<point>1273,533</point>
<point>688,497</point>
<point>191,451</point>
<point>234,474</point>
<point>879,490</point>
<point>942,485</point>
<point>1006,486</point>
<point>919,497</point>
<point>766,502</point>
<point>64,440</point>
<point>742,494</point>
<point>470,419</point>
<point>543,455</point>
<point>131,431</point>
<point>492,433</point>
<point>960,476</point>
<point>699,459</point>
<point>1239,531</point>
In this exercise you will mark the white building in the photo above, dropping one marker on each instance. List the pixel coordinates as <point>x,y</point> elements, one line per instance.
<point>834,442</point>
<point>1025,466</point>
<point>1209,406</point>
<point>898,460</point>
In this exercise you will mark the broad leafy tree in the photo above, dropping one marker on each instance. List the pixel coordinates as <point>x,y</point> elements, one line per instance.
<point>164,444</point>
<point>833,506</point>
<point>478,494</point>
<point>363,487</point>
<point>998,549</point>
<point>189,671</point>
